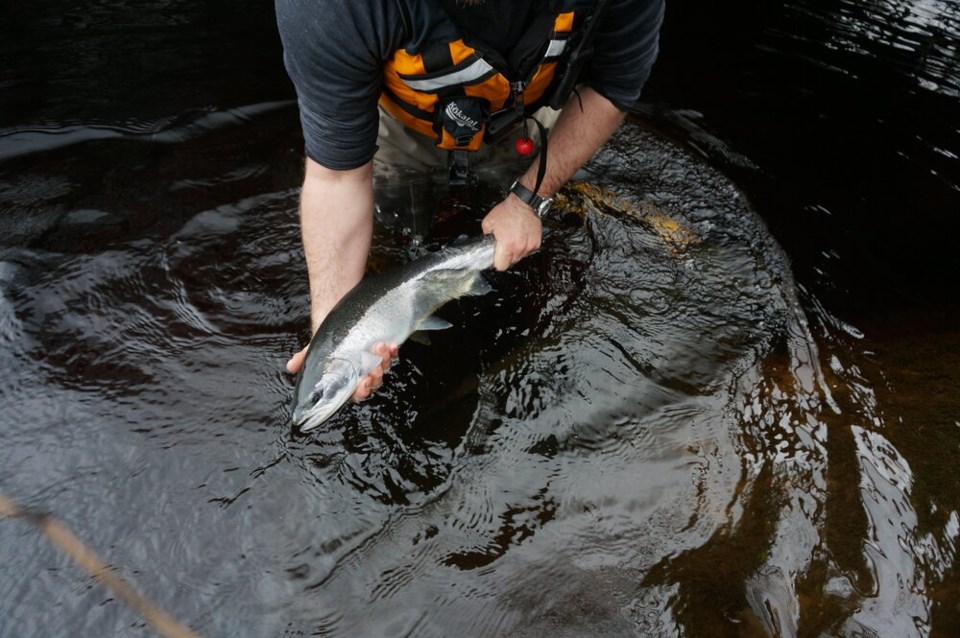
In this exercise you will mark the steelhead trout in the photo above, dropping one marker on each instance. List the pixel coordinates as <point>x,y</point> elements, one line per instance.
<point>387,308</point>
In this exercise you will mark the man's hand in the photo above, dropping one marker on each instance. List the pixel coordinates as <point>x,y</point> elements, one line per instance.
<point>584,125</point>
<point>369,383</point>
<point>517,229</point>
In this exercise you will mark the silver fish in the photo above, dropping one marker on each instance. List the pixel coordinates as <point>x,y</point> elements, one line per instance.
<point>386,308</point>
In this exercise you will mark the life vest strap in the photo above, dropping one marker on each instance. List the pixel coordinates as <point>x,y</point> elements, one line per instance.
<point>458,168</point>
<point>474,70</point>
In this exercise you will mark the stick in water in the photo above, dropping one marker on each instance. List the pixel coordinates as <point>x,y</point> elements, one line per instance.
<point>85,557</point>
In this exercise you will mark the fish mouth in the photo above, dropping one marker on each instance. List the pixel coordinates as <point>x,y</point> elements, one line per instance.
<point>297,418</point>
<point>307,422</point>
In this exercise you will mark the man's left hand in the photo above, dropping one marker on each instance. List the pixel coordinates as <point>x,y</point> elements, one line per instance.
<point>517,229</point>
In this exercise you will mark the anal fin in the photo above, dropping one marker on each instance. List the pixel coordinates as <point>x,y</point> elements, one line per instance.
<point>434,323</point>
<point>430,323</point>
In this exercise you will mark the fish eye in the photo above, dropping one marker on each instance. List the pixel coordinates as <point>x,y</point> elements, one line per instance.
<point>313,398</point>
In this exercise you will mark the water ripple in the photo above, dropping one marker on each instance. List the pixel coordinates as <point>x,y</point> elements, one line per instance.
<point>19,142</point>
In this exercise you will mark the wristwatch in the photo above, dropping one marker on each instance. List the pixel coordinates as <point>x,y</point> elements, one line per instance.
<point>539,204</point>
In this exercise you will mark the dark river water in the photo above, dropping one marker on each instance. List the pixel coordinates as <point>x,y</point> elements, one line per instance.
<point>721,401</point>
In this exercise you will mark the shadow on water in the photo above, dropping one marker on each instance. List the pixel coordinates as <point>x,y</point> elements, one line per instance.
<point>648,428</point>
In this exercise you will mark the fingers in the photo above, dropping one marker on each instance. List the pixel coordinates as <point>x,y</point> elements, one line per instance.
<point>387,354</point>
<point>487,225</point>
<point>518,231</point>
<point>375,379</point>
<point>502,259</point>
<point>296,362</point>
<point>370,383</point>
<point>508,253</point>
<point>363,390</point>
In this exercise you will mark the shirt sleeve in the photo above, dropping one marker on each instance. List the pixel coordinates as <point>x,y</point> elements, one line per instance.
<point>625,47</point>
<point>334,52</point>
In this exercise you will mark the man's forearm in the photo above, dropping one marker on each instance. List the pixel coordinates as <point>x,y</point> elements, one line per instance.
<point>576,136</point>
<point>336,221</point>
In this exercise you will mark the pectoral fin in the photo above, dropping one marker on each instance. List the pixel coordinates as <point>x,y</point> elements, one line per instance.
<point>480,286</point>
<point>369,362</point>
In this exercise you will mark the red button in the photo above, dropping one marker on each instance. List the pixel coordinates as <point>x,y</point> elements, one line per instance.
<point>524,145</point>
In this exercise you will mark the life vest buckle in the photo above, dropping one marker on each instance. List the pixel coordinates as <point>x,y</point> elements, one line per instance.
<point>502,123</point>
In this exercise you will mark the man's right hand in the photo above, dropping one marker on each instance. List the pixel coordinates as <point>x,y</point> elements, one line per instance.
<point>517,229</point>
<point>369,383</point>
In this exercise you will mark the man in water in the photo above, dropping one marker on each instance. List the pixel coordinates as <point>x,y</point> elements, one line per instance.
<point>457,74</point>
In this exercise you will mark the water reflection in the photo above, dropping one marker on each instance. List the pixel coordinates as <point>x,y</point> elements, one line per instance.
<point>634,433</point>
<point>574,420</point>
<point>924,33</point>
<point>648,429</point>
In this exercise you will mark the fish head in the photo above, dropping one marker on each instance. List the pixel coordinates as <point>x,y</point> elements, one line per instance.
<point>316,401</point>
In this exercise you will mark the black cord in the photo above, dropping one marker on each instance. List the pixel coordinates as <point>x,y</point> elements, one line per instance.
<point>542,154</point>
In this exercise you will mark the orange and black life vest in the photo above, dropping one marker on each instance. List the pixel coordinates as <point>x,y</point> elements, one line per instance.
<point>449,90</point>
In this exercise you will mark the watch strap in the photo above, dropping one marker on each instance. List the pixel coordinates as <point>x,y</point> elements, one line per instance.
<point>539,204</point>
